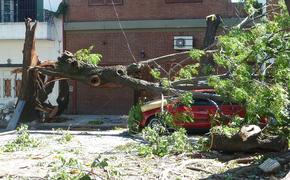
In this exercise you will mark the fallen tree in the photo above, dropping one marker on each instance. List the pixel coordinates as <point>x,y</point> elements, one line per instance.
<point>244,54</point>
<point>38,78</point>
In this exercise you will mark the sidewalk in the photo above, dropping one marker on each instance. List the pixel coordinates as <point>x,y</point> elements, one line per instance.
<point>84,122</point>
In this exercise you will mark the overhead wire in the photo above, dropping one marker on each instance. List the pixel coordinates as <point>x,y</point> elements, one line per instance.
<point>123,31</point>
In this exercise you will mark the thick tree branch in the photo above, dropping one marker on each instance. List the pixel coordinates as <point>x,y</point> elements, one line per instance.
<point>68,67</point>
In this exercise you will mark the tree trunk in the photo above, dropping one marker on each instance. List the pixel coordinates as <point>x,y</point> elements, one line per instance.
<point>251,140</point>
<point>36,87</point>
<point>212,22</point>
<point>28,85</point>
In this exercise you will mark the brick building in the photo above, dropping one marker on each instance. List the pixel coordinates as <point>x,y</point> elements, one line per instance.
<point>150,27</point>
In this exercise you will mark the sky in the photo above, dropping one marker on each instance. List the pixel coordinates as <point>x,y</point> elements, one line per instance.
<point>51,5</point>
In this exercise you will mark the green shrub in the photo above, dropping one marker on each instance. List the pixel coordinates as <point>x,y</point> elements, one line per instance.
<point>23,141</point>
<point>162,145</point>
<point>225,130</point>
<point>66,136</point>
<point>134,118</point>
<point>68,169</point>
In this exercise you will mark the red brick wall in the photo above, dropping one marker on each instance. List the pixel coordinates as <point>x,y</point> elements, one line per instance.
<point>79,10</point>
<point>113,47</point>
<point>103,100</point>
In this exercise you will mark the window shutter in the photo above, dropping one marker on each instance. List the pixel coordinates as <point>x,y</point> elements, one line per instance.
<point>17,87</point>
<point>7,87</point>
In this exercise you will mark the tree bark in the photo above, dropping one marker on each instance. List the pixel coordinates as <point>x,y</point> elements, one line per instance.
<point>68,67</point>
<point>35,87</point>
<point>28,85</point>
<point>249,140</point>
<point>212,22</point>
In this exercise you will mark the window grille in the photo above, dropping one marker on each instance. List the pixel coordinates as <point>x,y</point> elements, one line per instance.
<point>17,10</point>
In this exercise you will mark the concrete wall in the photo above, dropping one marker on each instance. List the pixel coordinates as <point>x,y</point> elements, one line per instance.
<point>5,73</point>
<point>16,30</point>
<point>12,41</point>
<point>12,49</point>
<point>11,46</point>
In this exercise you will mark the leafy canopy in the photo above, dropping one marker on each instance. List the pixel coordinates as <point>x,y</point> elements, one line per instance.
<point>256,58</point>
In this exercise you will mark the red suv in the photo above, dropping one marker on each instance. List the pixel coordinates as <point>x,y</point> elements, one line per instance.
<point>201,112</point>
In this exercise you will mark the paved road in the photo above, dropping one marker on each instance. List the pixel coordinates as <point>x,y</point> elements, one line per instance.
<point>84,145</point>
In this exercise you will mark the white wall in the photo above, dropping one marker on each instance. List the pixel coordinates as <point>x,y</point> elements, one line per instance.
<point>5,73</point>
<point>12,49</point>
<point>45,48</point>
<point>16,30</point>
<point>51,5</point>
<point>11,46</point>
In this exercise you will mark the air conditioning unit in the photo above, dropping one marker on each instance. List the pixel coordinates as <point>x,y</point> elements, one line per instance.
<point>183,42</point>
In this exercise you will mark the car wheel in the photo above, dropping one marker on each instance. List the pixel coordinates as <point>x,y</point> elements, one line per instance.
<point>156,123</point>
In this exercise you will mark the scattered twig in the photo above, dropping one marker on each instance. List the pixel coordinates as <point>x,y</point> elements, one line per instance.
<point>198,169</point>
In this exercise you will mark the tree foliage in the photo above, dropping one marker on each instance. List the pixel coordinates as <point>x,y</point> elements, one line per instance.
<point>86,56</point>
<point>255,58</point>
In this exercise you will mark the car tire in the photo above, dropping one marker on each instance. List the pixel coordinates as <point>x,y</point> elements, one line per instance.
<point>156,123</point>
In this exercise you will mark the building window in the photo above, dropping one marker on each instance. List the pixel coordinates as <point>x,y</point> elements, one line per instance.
<point>7,88</point>
<point>183,1</point>
<point>7,10</point>
<point>105,2</point>
<point>18,10</point>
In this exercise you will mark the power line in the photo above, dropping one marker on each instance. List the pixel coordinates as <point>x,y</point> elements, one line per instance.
<point>123,32</point>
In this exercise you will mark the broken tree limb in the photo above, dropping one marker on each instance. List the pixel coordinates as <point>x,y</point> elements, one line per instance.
<point>249,131</point>
<point>249,139</point>
<point>212,21</point>
<point>69,67</point>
